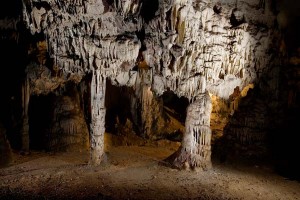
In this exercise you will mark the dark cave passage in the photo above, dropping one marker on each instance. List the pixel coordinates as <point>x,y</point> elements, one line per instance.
<point>128,115</point>
<point>118,104</point>
<point>175,107</point>
<point>10,8</point>
<point>149,8</point>
<point>176,104</point>
<point>40,118</point>
<point>57,121</point>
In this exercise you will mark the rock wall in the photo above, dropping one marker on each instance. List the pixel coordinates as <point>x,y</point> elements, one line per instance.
<point>68,130</point>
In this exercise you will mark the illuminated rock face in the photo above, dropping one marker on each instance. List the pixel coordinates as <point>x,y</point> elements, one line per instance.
<point>193,48</point>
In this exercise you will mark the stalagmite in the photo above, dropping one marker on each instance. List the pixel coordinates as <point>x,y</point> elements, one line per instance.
<point>97,126</point>
<point>195,151</point>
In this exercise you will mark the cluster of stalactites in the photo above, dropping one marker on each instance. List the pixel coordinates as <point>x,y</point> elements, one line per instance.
<point>186,41</point>
<point>86,35</point>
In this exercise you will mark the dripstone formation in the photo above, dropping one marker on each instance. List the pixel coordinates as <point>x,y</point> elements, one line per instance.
<point>194,48</point>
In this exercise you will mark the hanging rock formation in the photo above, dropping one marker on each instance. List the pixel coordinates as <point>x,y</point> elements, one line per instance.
<point>194,48</point>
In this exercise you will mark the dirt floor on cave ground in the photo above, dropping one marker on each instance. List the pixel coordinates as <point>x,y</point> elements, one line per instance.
<point>134,172</point>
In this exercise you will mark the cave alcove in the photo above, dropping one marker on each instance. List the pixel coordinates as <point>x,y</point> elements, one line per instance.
<point>57,121</point>
<point>129,118</point>
<point>175,107</point>
<point>40,117</point>
<point>117,103</point>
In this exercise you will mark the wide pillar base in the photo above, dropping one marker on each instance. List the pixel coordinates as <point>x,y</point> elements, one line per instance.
<point>183,159</point>
<point>97,150</point>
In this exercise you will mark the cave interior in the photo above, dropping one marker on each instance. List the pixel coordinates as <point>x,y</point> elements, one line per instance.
<point>217,81</point>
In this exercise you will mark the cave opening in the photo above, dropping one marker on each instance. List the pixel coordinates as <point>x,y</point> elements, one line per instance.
<point>57,121</point>
<point>10,9</point>
<point>175,107</point>
<point>149,9</point>
<point>118,107</point>
<point>139,117</point>
<point>175,103</point>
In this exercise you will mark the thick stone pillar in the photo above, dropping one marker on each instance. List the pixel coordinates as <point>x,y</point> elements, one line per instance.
<point>97,126</point>
<point>195,150</point>
<point>25,123</point>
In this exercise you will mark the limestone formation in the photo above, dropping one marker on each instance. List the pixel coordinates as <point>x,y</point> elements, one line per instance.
<point>68,130</point>
<point>97,126</point>
<point>195,48</point>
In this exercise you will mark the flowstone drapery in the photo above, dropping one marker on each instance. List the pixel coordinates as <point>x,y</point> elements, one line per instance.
<point>195,150</point>
<point>196,144</point>
<point>191,47</point>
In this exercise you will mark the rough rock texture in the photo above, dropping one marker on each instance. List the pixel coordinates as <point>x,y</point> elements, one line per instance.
<point>68,130</point>
<point>246,133</point>
<point>196,144</point>
<point>193,48</point>
<point>97,126</point>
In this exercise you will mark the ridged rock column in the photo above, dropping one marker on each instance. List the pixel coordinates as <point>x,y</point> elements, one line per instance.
<point>195,150</point>
<point>97,126</point>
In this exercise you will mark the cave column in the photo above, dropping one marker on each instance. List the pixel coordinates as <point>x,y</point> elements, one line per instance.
<point>97,126</point>
<point>25,122</point>
<point>197,139</point>
<point>195,151</point>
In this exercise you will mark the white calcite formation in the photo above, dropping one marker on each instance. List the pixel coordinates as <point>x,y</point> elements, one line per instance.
<point>97,126</point>
<point>191,47</point>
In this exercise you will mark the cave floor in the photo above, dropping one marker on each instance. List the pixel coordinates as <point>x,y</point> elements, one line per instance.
<point>134,172</point>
